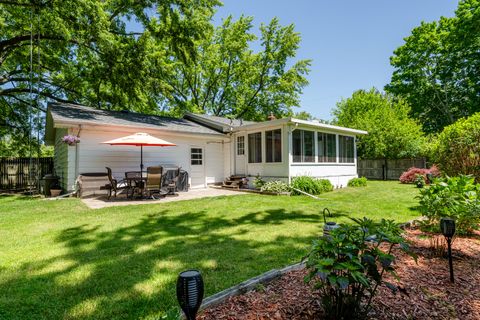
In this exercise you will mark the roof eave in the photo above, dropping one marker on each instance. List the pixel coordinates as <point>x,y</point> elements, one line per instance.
<point>68,124</point>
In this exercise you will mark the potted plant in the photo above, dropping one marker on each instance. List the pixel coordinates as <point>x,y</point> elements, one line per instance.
<point>55,189</point>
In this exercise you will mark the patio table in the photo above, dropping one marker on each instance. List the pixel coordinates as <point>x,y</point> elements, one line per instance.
<point>136,183</point>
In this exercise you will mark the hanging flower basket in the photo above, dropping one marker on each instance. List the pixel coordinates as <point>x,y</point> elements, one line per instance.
<point>71,140</point>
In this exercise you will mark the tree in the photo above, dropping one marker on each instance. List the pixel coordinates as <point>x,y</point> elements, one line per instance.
<point>391,133</point>
<point>437,70</point>
<point>80,51</point>
<point>225,77</point>
<point>303,115</point>
<point>457,149</point>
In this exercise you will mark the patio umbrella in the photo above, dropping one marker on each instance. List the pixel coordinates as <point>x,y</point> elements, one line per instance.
<point>140,139</point>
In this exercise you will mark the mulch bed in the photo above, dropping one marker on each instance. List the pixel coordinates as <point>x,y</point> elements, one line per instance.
<point>426,292</point>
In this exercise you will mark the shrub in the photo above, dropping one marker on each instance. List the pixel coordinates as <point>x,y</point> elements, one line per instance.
<point>275,187</point>
<point>311,185</point>
<point>357,182</point>
<point>457,150</point>
<point>258,182</point>
<point>410,176</point>
<point>349,264</point>
<point>457,198</point>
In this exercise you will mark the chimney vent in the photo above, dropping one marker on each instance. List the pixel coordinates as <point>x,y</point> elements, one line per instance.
<point>271,117</point>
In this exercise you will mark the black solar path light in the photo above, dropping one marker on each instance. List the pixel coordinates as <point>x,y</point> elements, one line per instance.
<point>447,225</point>
<point>190,292</point>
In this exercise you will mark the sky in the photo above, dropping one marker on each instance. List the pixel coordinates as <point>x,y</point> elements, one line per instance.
<point>349,41</point>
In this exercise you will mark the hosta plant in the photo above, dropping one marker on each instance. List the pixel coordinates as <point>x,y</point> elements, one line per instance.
<point>453,197</point>
<point>348,265</point>
<point>275,187</point>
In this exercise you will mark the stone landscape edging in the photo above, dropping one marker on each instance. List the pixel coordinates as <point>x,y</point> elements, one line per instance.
<point>248,285</point>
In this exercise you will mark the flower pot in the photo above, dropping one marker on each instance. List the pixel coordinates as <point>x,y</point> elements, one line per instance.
<point>55,192</point>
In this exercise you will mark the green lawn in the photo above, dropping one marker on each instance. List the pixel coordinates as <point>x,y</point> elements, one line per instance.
<point>61,260</point>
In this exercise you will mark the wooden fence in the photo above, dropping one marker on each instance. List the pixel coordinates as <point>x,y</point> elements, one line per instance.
<point>381,169</point>
<point>18,174</point>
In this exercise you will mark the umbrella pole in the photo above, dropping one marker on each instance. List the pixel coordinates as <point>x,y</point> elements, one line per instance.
<point>141,159</point>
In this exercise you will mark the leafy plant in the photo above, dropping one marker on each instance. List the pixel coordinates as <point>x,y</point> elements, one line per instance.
<point>420,181</point>
<point>275,187</point>
<point>357,182</point>
<point>457,150</point>
<point>311,185</point>
<point>454,197</point>
<point>349,265</point>
<point>258,182</point>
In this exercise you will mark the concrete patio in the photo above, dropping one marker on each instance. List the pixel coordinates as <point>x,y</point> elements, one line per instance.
<point>98,202</point>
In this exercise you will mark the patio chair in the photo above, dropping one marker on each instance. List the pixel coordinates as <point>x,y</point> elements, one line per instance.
<point>154,181</point>
<point>172,183</point>
<point>114,184</point>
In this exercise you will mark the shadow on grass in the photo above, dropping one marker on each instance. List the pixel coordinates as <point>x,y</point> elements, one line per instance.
<point>130,272</point>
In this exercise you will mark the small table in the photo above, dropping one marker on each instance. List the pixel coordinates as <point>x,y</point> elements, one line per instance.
<point>136,183</point>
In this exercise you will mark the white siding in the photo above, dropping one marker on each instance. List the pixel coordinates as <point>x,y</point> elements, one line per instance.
<point>93,156</point>
<point>268,171</point>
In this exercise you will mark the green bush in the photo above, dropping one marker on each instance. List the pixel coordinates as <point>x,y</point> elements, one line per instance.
<point>275,187</point>
<point>457,198</point>
<point>358,182</point>
<point>457,149</point>
<point>349,264</point>
<point>311,185</point>
<point>258,182</point>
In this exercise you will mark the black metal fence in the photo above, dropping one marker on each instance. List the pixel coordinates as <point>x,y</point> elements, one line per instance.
<point>18,174</point>
<point>382,169</point>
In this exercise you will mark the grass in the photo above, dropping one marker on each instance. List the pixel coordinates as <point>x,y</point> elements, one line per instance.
<point>61,260</point>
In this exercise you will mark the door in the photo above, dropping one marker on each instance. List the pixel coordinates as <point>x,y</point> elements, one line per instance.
<point>240,155</point>
<point>197,167</point>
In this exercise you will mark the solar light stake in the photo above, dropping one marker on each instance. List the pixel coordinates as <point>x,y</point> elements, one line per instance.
<point>190,292</point>
<point>447,226</point>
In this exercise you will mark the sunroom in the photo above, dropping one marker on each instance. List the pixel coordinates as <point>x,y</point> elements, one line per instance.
<point>284,148</point>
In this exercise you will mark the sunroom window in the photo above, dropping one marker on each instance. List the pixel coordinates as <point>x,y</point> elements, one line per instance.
<point>255,147</point>
<point>327,147</point>
<point>303,146</point>
<point>346,149</point>
<point>274,145</point>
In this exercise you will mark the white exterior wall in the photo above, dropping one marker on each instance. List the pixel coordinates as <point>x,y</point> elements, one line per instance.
<point>93,156</point>
<point>267,170</point>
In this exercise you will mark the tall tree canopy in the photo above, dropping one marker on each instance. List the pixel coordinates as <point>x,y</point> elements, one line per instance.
<point>437,70</point>
<point>391,133</point>
<point>225,76</point>
<point>81,51</point>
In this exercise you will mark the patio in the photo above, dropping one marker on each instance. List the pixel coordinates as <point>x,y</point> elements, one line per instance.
<point>98,202</point>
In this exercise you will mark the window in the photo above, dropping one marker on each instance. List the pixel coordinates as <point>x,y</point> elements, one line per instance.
<point>196,156</point>
<point>274,145</point>
<point>240,145</point>
<point>303,146</point>
<point>327,147</point>
<point>255,147</point>
<point>346,149</point>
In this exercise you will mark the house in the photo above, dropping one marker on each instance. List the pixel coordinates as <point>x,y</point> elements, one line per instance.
<point>209,148</point>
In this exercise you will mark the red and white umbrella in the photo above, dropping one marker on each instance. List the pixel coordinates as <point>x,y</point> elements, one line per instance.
<point>140,139</point>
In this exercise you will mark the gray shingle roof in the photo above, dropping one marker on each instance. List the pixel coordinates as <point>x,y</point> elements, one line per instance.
<point>71,113</point>
<point>215,122</point>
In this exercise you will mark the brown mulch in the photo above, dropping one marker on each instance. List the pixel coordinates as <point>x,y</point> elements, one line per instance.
<point>425,290</point>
